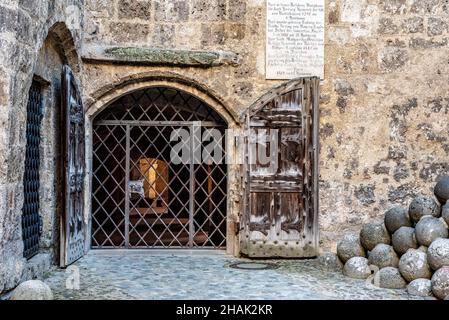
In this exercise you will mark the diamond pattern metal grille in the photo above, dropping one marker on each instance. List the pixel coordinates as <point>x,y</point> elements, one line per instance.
<point>30,212</point>
<point>141,199</point>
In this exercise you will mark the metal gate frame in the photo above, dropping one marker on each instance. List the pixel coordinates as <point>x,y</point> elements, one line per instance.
<point>128,125</point>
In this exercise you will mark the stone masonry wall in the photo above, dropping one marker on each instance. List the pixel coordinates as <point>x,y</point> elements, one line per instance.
<point>384,109</point>
<point>385,114</point>
<point>384,106</point>
<point>24,26</point>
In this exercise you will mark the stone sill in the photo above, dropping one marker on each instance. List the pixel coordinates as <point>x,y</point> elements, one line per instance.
<point>161,57</point>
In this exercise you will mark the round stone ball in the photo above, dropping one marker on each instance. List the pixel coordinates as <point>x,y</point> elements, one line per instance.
<point>350,247</point>
<point>397,217</point>
<point>441,190</point>
<point>372,234</point>
<point>445,213</point>
<point>357,268</point>
<point>403,239</point>
<point>423,206</point>
<point>428,229</point>
<point>420,287</point>
<point>383,256</point>
<point>413,265</point>
<point>390,278</point>
<point>440,283</point>
<point>32,290</point>
<point>329,261</point>
<point>423,249</point>
<point>438,254</point>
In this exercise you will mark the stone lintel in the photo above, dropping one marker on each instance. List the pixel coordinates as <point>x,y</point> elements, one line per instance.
<point>155,56</point>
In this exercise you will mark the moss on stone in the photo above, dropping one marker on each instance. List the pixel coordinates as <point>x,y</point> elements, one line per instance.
<point>164,56</point>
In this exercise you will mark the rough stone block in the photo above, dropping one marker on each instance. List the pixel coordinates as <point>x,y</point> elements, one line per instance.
<point>171,11</point>
<point>351,11</point>
<point>394,6</point>
<point>8,19</point>
<point>132,9</point>
<point>100,7</point>
<point>333,13</point>
<point>236,31</point>
<point>421,43</point>
<point>392,59</point>
<point>413,25</point>
<point>213,34</point>
<point>129,32</point>
<point>163,35</point>
<point>237,10</point>
<point>387,26</point>
<point>436,26</point>
<point>212,10</point>
<point>424,6</point>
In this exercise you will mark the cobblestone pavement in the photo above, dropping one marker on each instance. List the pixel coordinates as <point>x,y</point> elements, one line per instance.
<point>203,275</point>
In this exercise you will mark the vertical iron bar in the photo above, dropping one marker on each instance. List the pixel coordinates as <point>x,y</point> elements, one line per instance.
<point>192,185</point>
<point>127,198</point>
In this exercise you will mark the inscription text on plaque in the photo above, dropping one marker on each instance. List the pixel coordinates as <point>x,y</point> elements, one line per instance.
<point>295,39</point>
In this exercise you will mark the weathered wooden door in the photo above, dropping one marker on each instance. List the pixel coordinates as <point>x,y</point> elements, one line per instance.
<point>73,150</point>
<point>280,217</point>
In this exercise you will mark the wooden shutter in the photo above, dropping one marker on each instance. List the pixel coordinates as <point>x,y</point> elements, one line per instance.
<point>73,146</point>
<point>280,217</point>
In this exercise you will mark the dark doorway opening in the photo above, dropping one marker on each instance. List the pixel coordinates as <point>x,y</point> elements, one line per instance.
<point>141,196</point>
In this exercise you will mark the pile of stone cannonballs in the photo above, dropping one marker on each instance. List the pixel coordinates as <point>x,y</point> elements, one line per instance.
<point>410,248</point>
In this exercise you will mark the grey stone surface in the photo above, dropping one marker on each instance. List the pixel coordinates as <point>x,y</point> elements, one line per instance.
<point>155,56</point>
<point>383,256</point>
<point>423,249</point>
<point>393,58</point>
<point>391,278</point>
<point>152,275</point>
<point>330,261</point>
<point>423,206</point>
<point>420,287</point>
<point>445,213</point>
<point>438,254</point>
<point>372,234</point>
<point>428,229</point>
<point>357,268</point>
<point>403,239</point>
<point>440,283</point>
<point>37,266</point>
<point>396,218</point>
<point>413,265</point>
<point>349,247</point>
<point>32,290</point>
<point>441,190</point>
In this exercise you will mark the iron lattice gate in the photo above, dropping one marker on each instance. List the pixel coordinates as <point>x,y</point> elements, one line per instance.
<point>142,197</point>
<point>31,222</point>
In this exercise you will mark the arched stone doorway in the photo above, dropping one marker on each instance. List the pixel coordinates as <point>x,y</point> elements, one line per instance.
<point>143,196</point>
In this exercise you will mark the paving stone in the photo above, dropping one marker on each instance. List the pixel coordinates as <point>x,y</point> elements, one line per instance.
<point>142,276</point>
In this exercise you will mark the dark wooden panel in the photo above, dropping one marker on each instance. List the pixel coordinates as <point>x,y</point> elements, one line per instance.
<point>282,204</point>
<point>73,226</point>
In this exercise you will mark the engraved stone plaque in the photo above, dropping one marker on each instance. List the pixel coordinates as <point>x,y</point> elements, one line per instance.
<point>294,39</point>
